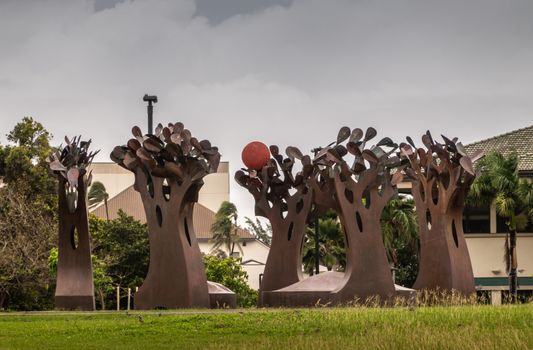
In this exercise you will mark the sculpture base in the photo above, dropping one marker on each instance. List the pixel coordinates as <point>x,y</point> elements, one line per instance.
<point>317,290</point>
<point>221,296</point>
<point>75,302</point>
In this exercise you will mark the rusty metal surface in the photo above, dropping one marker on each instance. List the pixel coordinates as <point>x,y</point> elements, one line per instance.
<point>169,167</point>
<point>288,213</point>
<point>441,176</point>
<point>358,192</point>
<point>74,286</point>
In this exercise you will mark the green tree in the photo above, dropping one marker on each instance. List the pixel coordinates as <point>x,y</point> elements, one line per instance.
<point>224,229</point>
<point>98,194</point>
<point>262,233</point>
<point>399,230</point>
<point>331,250</point>
<point>23,164</point>
<point>28,203</point>
<point>229,272</point>
<point>499,184</point>
<point>122,245</point>
<point>26,237</point>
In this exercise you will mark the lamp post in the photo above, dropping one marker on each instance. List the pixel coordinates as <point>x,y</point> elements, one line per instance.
<point>317,233</point>
<point>150,108</point>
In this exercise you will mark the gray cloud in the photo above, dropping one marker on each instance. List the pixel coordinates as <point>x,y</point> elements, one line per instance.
<point>282,74</point>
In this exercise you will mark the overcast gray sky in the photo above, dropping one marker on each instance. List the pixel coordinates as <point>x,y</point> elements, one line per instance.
<point>279,71</point>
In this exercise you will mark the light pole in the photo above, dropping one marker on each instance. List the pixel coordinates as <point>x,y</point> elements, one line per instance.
<point>317,233</point>
<point>150,108</point>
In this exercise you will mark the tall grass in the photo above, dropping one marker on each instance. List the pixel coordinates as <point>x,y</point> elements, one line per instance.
<point>361,326</point>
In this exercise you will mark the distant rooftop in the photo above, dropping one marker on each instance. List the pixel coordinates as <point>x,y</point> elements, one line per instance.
<point>520,140</point>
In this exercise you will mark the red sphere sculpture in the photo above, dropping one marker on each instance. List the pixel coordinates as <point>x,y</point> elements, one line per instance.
<point>255,155</point>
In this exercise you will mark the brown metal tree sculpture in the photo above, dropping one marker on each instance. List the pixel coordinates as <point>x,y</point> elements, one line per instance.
<point>74,287</point>
<point>362,190</point>
<point>441,177</point>
<point>284,198</point>
<point>169,168</point>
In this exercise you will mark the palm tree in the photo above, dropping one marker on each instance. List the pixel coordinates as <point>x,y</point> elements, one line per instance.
<point>97,194</point>
<point>262,233</point>
<point>399,229</point>
<point>499,184</point>
<point>331,250</point>
<point>224,229</point>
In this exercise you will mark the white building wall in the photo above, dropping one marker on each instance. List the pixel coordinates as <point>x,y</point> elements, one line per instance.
<point>254,250</point>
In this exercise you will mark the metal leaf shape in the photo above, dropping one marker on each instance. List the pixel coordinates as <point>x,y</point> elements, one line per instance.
<point>406,150</point>
<point>186,134</point>
<point>333,156</point>
<point>392,162</point>
<point>370,134</point>
<point>158,130</point>
<point>178,128</point>
<point>370,156</point>
<point>274,150</point>
<point>477,155</point>
<point>166,134</point>
<point>130,161</point>
<point>378,152</point>
<point>205,144</point>
<point>397,177</point>
<point>426,140</point>
<point>143,154</point>
<point>241,178</point>
<point>359,166</point>
<point>134,144</point>
<point>466,163</point>
<point>343,134</point>
<point>118,152</point>
<point>175,138</point>
<point>72,176</point>
<point>174,169</point>
<point>353,148</point>
<point>449,143</point>
<point>341,150</point>
<point>57,166</point>
<point>386,141</point>
<point>428,133</point>
<point>461,149</point>
<point>410,140</point>
<point>152,145</point>
<point>357,134</point>
<point>136,131</point>
<point>294,152</point>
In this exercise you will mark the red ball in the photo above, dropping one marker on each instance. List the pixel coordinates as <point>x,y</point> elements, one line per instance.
<point>255,155</point>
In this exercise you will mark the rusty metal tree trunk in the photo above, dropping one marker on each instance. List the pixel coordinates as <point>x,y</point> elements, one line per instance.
<point>74,286</point>
<point>284,262</point>
<point>444,258</point>
<point>367,271</point>
<point>176,276</point>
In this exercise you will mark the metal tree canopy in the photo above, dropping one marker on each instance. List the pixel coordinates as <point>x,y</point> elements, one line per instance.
<point>169,168</point>
<point>358,181</point>
<point>441,175</point>
<point>74,287</point>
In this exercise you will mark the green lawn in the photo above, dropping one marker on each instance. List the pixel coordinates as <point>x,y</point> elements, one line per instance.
<point>466,327</point>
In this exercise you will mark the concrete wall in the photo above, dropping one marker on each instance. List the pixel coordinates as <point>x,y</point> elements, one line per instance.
<point>487,253</point>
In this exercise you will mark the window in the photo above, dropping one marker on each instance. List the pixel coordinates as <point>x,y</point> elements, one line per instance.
<point>476,220</point>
